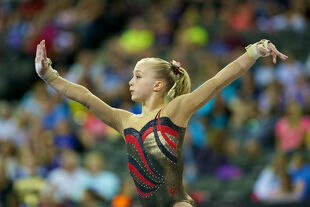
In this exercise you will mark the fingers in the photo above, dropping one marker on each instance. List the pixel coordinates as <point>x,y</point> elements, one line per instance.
<point>38,53</point>
<point>41,54</point>
<point>43,49</point>
<point>276,52</point>
<point>274,58</point>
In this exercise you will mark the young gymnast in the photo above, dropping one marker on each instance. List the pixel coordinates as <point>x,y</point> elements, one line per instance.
<point>154,138</point>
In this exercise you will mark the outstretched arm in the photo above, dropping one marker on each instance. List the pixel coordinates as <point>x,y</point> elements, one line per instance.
<point>111,116</point>
<point>190,103</point>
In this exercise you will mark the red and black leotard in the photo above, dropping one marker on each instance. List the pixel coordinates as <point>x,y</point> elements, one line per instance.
<point>155,162</point>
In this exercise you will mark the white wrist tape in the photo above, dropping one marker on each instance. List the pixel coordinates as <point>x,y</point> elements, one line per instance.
<point>50,74</point>
<point>253,51</point>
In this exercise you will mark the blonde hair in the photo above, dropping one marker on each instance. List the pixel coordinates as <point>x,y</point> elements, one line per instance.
<point>177,84</point>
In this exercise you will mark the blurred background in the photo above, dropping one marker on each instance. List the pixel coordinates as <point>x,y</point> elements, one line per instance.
<point>249,146</point>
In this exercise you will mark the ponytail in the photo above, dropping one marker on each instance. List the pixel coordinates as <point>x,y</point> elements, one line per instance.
<point>176,77</point>
<point>182,84</point>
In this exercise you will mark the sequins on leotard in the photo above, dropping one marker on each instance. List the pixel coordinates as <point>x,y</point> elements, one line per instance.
<point>155,162</point>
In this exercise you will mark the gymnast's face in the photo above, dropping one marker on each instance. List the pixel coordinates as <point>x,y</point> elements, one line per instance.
<point>142,84</point>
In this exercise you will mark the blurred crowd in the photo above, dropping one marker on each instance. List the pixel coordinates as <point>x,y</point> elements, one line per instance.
<point>249,143</point>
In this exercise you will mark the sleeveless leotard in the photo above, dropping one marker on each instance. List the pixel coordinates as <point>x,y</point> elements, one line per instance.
<point>155,162</point>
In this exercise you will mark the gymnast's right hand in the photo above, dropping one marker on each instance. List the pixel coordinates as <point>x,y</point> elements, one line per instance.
<point>43,64</point>
<point>41,59</point>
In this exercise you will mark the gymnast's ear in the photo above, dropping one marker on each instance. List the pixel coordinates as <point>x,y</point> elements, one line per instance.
<point>158,85</point>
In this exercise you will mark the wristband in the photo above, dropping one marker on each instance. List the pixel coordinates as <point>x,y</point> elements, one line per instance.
<point>253,51</point>
<point>50,74</point>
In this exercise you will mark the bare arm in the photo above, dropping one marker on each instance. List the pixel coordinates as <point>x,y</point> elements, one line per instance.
<point>190,103</point>
<point>109,115</point>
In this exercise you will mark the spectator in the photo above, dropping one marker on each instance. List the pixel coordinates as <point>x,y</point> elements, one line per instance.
<point>61,180</point>
<point>285,193</point>
<point>291,129</point>
<point>8,126</point>
<point>64,136</point>
<point>268,182</point>
<point>264,74</point>
<point>105,183</point>
<point>29,184</point>
<point>300,173</point>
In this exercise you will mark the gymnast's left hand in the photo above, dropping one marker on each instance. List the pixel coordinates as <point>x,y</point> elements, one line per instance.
<point>270,49</point>
<point>264,48</point>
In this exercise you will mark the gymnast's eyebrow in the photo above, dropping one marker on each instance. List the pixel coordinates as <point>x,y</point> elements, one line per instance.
<point>137,71</point>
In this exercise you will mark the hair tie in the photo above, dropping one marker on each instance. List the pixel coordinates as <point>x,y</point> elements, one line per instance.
<point>175,66</point>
